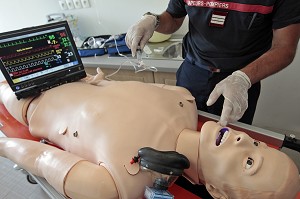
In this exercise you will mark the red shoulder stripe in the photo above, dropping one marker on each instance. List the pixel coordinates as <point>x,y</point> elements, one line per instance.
<point>230,6</point>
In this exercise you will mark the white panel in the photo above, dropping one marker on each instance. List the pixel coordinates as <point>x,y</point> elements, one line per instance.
<point>77,4</point>
<point>85,3</point>
<point>70,4</point>
<point>63,5</point>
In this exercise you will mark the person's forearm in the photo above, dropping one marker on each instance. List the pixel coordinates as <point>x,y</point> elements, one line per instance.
<point>168,24</point>
<point>271,62</point>
<point>280,55</point>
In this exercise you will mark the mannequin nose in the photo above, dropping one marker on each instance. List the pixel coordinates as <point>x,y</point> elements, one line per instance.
<point>242,139</point>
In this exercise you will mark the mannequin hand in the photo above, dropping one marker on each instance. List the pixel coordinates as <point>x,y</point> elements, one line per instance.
<point>95,79</point>
<point>139,33</point>
<point>234,88</point>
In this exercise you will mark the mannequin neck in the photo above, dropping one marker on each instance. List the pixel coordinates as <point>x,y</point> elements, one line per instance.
<point>188,144</point>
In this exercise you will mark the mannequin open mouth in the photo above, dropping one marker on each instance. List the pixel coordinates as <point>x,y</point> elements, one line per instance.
<point>222,135</point>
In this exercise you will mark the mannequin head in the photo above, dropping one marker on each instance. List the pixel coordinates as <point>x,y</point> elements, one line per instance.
<point>236,166</point>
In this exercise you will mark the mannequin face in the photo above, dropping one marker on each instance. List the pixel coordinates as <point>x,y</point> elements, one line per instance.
<point>239,161</point>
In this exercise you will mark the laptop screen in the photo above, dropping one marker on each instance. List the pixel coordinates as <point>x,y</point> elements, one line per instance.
<point>38,58</point>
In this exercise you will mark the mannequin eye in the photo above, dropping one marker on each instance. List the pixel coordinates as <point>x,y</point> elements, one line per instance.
<point>249,163</point>
<point>256,143</point>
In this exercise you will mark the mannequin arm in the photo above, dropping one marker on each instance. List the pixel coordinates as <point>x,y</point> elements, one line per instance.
<point>67,173</point>
<point>97,183</point>
<point>17,108</point>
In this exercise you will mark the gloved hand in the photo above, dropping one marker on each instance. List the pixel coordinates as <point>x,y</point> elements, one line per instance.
<point>140,33</point>
<point>234,88</point>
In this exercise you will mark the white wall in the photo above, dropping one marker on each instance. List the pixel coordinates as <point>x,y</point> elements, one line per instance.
<point>278,106</point>
<point>279,102</point>
<point>103,17</point>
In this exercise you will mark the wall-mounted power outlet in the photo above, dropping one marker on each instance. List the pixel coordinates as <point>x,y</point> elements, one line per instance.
<point>73,4</point>
<point>70,4</point>
<point>77,4</point>
<point>63,5</point>
<point>85,3</point>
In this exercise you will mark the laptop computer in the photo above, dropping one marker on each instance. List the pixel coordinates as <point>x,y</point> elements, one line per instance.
<point>38,58</point>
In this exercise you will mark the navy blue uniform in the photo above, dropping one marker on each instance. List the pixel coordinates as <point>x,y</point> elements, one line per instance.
<point>226,36</point>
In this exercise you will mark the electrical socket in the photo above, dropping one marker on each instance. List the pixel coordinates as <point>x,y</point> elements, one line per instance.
<point>77,4</point>
<point>70,4</point>
<point>85,3</point>
<point>63,5</point>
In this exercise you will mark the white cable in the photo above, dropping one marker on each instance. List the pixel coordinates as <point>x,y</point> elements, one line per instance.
<point>134,64</point>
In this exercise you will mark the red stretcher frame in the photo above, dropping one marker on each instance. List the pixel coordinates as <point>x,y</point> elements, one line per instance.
<point>13,129</point>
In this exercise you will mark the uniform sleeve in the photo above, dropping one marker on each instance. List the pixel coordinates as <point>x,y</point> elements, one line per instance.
<point>176,8</point>
<point>286,12</point>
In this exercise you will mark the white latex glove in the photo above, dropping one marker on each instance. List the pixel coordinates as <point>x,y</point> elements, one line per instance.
<point>140,33</point>
<point>234,88</point>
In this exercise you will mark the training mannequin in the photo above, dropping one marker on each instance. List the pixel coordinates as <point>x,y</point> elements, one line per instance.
<point>101,125</point>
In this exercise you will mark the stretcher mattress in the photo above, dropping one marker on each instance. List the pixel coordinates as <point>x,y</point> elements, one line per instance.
<point>13,129</point>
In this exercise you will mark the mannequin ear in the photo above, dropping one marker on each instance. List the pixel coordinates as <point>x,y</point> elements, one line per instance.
<point>215,192</point>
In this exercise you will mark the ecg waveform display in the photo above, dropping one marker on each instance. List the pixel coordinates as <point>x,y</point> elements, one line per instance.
<point>37,54</point>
